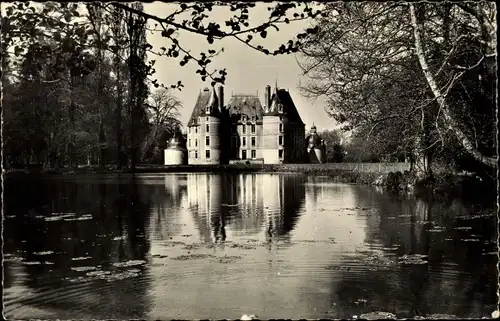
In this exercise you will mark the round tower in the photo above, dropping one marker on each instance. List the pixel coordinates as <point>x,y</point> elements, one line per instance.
<point>273,130</point>
<point>209,130</point>
<point>211,151</point>
<point>176,153</point>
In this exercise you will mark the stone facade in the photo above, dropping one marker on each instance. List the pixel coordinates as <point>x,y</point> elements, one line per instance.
<point>244,129</point>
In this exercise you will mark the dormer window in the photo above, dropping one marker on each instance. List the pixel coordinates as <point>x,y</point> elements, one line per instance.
<point>207,110</point>
<point>280,108</point>
<point>244,118</point>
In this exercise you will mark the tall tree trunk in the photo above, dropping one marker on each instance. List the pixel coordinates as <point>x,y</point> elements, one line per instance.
<point>96,16</point>
<point>118,34</point>
<point>73,163</point>
<point>450,121</point>
<point>118,116</point>
<point>133,111</point>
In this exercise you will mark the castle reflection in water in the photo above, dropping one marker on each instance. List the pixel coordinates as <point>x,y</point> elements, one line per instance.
<point>241,204</point>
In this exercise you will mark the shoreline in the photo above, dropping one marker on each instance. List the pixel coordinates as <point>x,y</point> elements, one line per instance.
<point>445,184</point>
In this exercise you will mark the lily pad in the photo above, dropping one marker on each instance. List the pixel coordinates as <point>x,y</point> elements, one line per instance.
<point>227,259</point>
<point>98,273</point>
<point>81,258</point>
<point>242,246</point>
<point>377,315</point>
<point>80,218</point>
<point>441,316</point>
<point>83,268</point>
<point>129,263</point>
<point>192,257</point>
<point>412,259</point>
<point>174,243</point>
<point>44,253</point>
<point>463,228</point>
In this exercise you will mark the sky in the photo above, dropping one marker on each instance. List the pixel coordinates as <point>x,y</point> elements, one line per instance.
<point>248,71</point>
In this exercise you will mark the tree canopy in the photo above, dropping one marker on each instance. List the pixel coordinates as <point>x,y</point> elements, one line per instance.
<point>415,78</point>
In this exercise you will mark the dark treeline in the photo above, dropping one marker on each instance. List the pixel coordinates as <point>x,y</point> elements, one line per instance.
<point>76,87</point>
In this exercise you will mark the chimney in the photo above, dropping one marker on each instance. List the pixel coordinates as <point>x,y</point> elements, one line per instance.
<point>268,96</point>
<point>221,98</point>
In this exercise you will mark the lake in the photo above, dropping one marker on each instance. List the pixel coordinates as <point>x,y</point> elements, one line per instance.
<point>215,246</point>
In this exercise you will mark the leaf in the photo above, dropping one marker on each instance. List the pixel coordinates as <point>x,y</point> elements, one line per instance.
<point>263,34</point>
<point>167,33</point>
<point>18,50</point>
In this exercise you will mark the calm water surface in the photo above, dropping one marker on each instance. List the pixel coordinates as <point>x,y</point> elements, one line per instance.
<point>219,246</point>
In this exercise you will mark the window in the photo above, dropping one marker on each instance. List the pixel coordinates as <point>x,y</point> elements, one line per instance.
<point>207,140</point>
<point>253,129</point>
<point>244,129</point>
<point>244,154</point>
<point>195,154</point>
<point>196,142</point>
<point>208,110</point>
<point>233,129</point>
<point>208,128</point>
<point>281,128</point>
<point>207,153</point>
<point>234,143</point>
<point>189,144</point>
<point>280,153</point>
<point>254,153</point>
<point>244,143</point>
<point>280,140</point>
<point>280,107</point>
<point>196,130</point>
<point>208,118</point>
<point>253,141</point>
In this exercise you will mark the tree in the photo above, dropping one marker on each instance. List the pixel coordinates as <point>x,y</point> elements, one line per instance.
<point>163,111</point>
<point>363,59</point>
<point>334,149</point>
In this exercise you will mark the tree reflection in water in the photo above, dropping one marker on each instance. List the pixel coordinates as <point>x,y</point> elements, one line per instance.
<point>458,275</point>
<point>104,223</point>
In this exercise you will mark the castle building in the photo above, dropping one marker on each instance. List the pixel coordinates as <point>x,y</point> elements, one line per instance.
<point>244,129</point>
<point>316,149</point>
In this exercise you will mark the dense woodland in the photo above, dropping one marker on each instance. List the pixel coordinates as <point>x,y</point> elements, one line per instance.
<point>78,88</point>
<point>414,81</point>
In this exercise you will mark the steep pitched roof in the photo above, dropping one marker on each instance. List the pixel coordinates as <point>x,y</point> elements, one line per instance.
<point>282,96</point>
<point>244,105</point>
<point>206,98</point>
